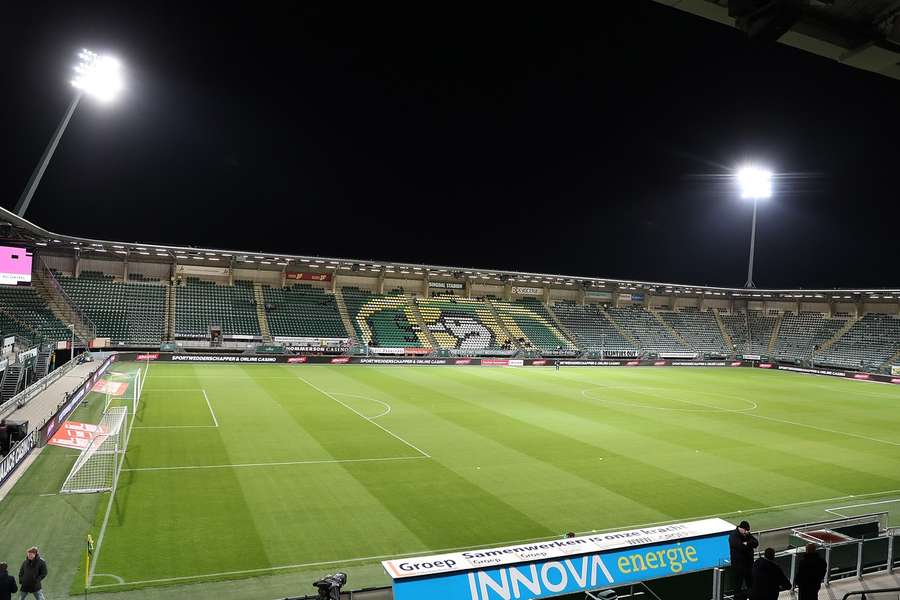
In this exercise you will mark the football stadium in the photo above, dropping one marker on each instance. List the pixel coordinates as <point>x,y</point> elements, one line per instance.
<point>215,421</point>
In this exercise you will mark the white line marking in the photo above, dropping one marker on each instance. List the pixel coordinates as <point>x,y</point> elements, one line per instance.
<point>836,513</point>
<point>110,575</point>
<point>174,390</point>
<point>175,426</point>
<point>112,495</point>
<point>367,398</point>
<point>865,504</point>
<point>502,543</point>
<point>215,420</point>
<point>280,464</point>
<point>378,425</point>
<point>758,416</point>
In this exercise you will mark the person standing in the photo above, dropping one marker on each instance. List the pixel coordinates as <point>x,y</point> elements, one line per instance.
<point>768,578</point>
<point>741,544</point>
<point>31,574</point>
<point>8,585</point>
<point>811,572</point>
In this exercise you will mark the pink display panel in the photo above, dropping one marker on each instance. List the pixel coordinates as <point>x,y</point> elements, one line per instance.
<point>15,266</point>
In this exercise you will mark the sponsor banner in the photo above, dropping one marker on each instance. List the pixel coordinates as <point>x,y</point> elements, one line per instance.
<point>860,376</point>
<point>376,350</point>
<point>77,436</point>
<point>590,363</point>
<point>766,366</point>
<point>633,363</point>
<point>699,363</point>
<point>660,363</point>
<point>310,341</point>
<point>404,361</point>
<point>307,276</point>
<point>66,409</point>
<point>112,388</point>
<point>539,363</point>
<point>445,285</point>
<point>812,371</point>
<point>567,566</point>
<point>341,360</point>
<point>632,297</point>
<point>895,380</point>
<point>736,363</point>
<point>226,358</point>
<point>516,362</point>
<point>23,356</point>
<point>678,355</point>
<point>325,349</point>
<point>17,454</point>
<point>751,356</point>
<point>419,350</point>
<point>494,362</point>
<point>297,359</point>
<point>462,361</point>
<point>152,356</point>
<point>895,369</point>
<point>527,291</point>
<point>598,295</point>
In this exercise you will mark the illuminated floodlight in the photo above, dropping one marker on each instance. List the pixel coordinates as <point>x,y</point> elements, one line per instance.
<point>98,76</point>
<point>755,183</point>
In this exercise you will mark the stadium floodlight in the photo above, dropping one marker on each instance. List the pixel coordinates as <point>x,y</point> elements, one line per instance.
<point>95,75</point>
<point>98,76</point>
<point>756,184</point>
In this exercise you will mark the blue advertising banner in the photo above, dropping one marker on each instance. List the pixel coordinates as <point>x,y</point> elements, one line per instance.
<point>547,569</point>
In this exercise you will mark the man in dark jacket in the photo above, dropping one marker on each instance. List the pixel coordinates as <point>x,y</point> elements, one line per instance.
<point>810,573</point>
<point>31,574</point>
<point>768,578</point>
<point>742,545</point>
<point>8,585</point>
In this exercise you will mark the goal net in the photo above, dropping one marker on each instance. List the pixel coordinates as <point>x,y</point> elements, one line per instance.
<point>97,467</point>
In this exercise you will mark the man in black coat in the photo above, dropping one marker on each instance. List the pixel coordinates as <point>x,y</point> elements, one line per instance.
<point>8,585</point>
<point>742,545</point>
<point>811,571</point>
<point>31,574</point>
<point>768,578</point>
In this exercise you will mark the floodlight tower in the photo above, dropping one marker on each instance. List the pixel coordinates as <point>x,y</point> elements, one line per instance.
<point>95,75</point>
<point>755,184</point>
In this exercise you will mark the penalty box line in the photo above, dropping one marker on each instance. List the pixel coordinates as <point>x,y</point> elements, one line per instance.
<point>835,510</point>
<point>462,548</point>
<point>280,464</point>
<point>369,419</point>
<point>215,424</point>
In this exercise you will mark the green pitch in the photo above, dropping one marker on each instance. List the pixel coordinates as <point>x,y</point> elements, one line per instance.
<point>244,471</point>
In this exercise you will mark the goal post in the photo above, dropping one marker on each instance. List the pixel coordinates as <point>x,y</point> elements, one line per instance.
<point>97,467</point>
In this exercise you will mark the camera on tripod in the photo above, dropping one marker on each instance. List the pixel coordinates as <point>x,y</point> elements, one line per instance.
<point>330,586</point>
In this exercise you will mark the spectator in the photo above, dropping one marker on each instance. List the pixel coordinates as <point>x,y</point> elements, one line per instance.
<point>8,585</point>
<point>768,578</point>
<point>31,574</point>
<point>742,545</point>
<point>810,573</point>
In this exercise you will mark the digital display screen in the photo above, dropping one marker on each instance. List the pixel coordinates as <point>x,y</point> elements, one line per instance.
<point>15,266</point>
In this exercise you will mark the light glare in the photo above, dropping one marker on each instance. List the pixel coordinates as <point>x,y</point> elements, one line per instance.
<point>98,76</point>
<point>756,183</point>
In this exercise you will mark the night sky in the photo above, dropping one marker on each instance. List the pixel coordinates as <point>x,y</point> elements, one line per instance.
<point>580,143</point>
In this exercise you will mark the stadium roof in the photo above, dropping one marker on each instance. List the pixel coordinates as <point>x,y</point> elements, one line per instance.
<point>864,34</point>
<point>16,230</point>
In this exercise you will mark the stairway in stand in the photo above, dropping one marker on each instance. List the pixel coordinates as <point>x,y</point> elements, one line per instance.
<point>421,323</point>
<point>261,313</point>
<point>345,316</point>
<point>11,382</point>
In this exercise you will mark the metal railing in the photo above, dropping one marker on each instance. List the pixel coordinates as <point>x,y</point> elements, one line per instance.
<point>77,313</point>
<point>27,395</point>
<point>864,593</point>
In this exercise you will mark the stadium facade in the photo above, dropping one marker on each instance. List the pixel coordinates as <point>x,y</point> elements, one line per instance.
<point>142,295</point>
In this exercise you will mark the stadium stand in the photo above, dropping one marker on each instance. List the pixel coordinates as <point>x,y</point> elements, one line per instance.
<point>131,313</point>
<point>532,326</point>
<point>302,310</point>
<point>761,328</point>
<point>646,329</point>
<point>200,304</point>
<point>383,320</point>
<point>801,334</point>
<point>28,314</point>
<point>591,328</point>
<point>870,342</point>
<point>698,328</point>
<point>462,324</point>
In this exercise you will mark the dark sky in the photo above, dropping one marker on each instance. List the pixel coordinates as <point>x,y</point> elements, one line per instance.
<point>584,143</point>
